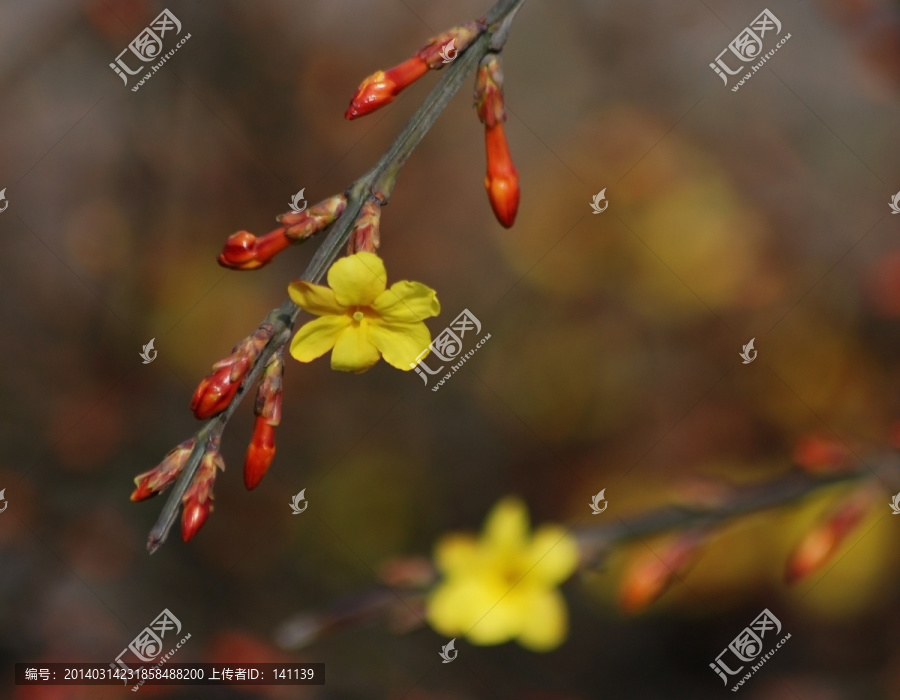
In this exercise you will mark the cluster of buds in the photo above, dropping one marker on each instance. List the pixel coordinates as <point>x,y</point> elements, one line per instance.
<point>380,88</point>
<point>502,178</point>
<point>197,501</point>
<point>216,391</point>
<point>651,575</point>
<point>246,251</point>
<point>268,415</point>
<point>366,234</point>
<point>158,479</point>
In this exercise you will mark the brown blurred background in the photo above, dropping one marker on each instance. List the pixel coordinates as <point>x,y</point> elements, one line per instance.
<point>613,360</point>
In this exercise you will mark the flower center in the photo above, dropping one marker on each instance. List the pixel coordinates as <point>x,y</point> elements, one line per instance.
<point>358,316</point>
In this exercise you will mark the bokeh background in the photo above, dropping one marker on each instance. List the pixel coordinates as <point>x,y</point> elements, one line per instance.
<point>613,361</point>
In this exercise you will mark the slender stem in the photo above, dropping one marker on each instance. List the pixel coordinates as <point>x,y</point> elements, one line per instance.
<point>596,541</point>
<point>378,182</point>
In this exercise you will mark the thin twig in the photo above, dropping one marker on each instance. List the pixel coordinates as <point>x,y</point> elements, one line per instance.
<point>597,541</point>
<point>378,182</point>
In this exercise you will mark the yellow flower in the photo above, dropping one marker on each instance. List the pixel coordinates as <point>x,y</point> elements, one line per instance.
<point>503,586</point>
<point>360,319</point>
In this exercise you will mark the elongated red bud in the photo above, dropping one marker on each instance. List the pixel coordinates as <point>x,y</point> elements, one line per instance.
<point>268,415</point>
<point>260,453</point>
<point>380,88</point>
<point>246,251</point>
<point>197,501</point>
<point>192,519</point>
<point>216,391</point>
<point>158,479</point>
<point>502,178</point>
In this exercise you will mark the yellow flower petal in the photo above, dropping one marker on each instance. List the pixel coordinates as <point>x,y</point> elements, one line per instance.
<point>358,279</point>
<point>407,302</point>
<point>314,298</point>
<point>502,612</point>
<point>547,622</point>
<point>443,608</point>
<point>401,344</point>
<point>554,555</point>
<point>456,553</point>
<point>353,352</point>
<point>317,337</point>
<point>506,528</point>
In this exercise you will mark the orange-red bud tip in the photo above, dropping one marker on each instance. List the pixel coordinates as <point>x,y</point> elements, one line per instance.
<point>193,517</point>
<point>502,179</point>
<point>260,453</point>
<point>380,88</point>
<point>245,251</point>
<point>143,490</point>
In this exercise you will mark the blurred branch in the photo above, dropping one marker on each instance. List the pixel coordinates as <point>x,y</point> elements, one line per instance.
<point>595,542</point>
<point>692,523</point>
<point>376,184</point>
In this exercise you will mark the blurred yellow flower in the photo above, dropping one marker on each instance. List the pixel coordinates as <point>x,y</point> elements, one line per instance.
<point>360,319</point>
<point>503,585</point>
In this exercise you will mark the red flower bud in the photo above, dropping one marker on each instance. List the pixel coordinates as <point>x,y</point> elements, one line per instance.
<point>244,251</point>
<point>214,394</point>
<point>198,498</point>
<point>382,87</point>
<point>157,479</point>
<point>216,391</point>
<point>268,415</point>
<point>502,179</point>
<point>192,519</point>
<point>260,453</point>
